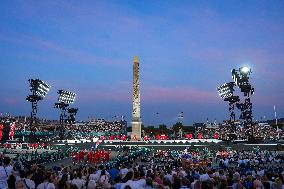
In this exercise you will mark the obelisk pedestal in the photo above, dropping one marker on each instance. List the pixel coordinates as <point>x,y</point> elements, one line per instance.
<point>136,130</point>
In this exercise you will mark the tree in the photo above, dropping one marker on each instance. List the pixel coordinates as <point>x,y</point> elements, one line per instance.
<point>177,126</point>
<point>151,127</point>
<point>148,129</point>
<point>129,129</point>
<point>163,127</point>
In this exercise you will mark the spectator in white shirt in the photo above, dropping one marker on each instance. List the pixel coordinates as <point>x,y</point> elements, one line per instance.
<point>104,180</point>
<point>123,172</point>
<point>204,176</point>
<point>26,178</point>
<point>78,181</point>
<point>169,176</point>
<point>5,171</point>
<point>46,183</point>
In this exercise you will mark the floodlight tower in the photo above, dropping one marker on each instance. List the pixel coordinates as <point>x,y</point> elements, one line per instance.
<point>64,100</point>
<point>39,90</point>
<point>241,78</point>
<point>72,114</point>
<point>226,92</point>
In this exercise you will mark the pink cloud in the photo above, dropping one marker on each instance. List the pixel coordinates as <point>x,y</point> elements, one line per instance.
<point>158,94</point>
<point>123,93</point>
<point>120,92</point>
<point>178,94</point>
<point>100,96</point>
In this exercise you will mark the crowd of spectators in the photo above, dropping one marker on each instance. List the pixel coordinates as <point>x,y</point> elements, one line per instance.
<point>226,132</point>
<point>99,125</point>
<point>84,130</point>
<point>265,133</point>
<point>88,130</point>
<point>141,168</point>
<point>48,129</point>
<point>102,127</point>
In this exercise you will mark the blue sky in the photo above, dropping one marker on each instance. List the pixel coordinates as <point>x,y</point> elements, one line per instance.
<point>185,48</point>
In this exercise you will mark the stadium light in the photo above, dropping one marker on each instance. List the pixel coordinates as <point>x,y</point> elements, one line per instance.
<point>226,90</point>
<point>40,87</point>
<point>245,70</point>
<point>64,100</point>
<point>66,97</point>
<point>241,78</point>
<point>39,90</point>
<point>61,105</point>
<point>72,113</point>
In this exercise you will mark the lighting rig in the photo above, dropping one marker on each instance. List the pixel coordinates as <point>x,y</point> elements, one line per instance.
<point>39,89</point>
<point>64,100</point>
<point>241,79</point>
<point>72,114</point>
<point>226,92</point>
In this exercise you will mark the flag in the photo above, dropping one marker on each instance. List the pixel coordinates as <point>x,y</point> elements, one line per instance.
<point>1,131</point>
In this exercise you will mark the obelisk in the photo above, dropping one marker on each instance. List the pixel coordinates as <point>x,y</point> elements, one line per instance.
<point>136,121</point>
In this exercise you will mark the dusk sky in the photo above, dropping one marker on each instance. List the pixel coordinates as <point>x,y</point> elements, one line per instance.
<point>185,48</point>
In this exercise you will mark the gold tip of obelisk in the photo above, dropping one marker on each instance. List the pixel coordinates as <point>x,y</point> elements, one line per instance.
<point>136,59</point>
